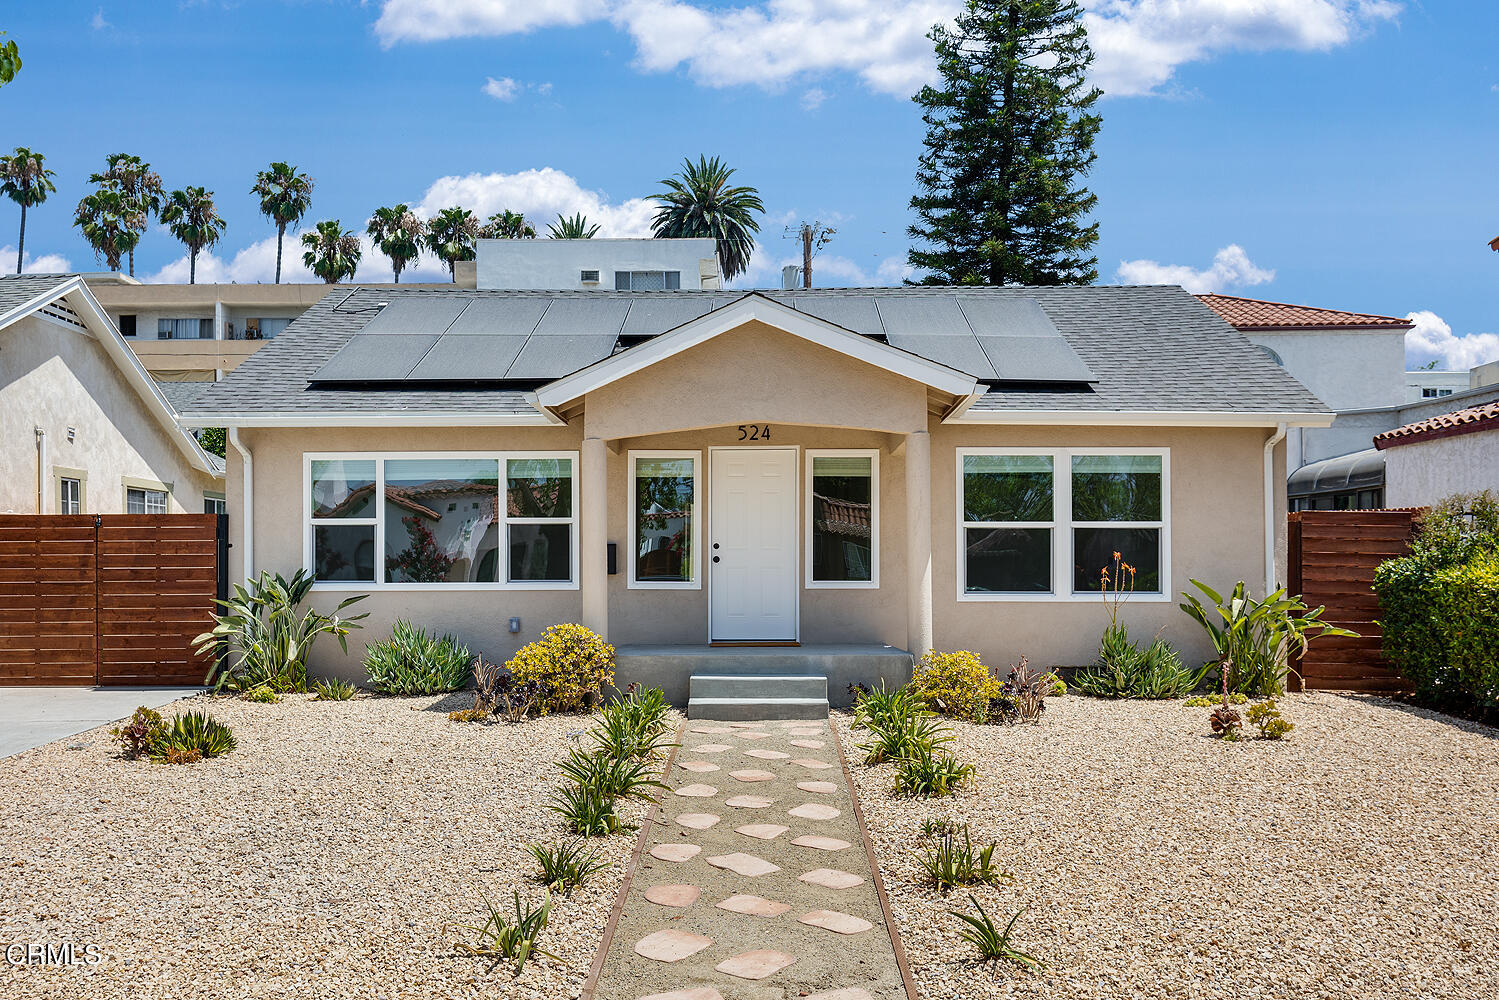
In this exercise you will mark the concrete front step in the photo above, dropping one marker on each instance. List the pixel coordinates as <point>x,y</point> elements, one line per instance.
<point>720,685</point>
<point>671,667</point>
<point>756,709</point>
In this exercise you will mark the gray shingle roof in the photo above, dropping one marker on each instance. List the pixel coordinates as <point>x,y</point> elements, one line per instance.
<point>181,394</point>
<point>18,289</point>
<point>1152,348</point>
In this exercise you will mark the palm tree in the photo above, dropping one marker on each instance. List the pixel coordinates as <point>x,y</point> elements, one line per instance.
<point>399,234</point>
<point>507,225</point>
<point>571,228</point>
<point>285,196</point>
<point>190,215</point>
<point>110,223</point>
<point>25,181</point>
<point>137,182</point>
<point>700,202</point>
<point>451,235</point>
<point>332,252</point>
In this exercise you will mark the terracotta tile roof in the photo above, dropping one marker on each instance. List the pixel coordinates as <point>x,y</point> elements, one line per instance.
<point>1474,418</point>
<point>1260,314</point>
<point>1494,244</point>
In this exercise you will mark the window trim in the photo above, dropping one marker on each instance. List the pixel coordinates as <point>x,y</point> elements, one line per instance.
<point>380,458</point>
<point>696,583</point>
<point>809,581</point>
<point>59,473</point>
<point>128,483</point>
<point>1062,547</point>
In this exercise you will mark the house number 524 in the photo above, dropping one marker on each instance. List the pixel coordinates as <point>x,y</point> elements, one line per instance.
<point>754,432</point>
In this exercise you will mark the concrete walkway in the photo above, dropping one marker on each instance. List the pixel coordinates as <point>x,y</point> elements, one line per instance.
<point>754,881</point>
<point>35,716</point>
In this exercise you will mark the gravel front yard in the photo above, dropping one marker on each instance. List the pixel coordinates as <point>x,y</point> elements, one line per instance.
<point>321,858</point>
<point>1359,858</point>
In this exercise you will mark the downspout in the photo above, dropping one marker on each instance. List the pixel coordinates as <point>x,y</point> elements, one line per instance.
<point>1270,494</point>
<point>41,471</point>
<point>246,501</point>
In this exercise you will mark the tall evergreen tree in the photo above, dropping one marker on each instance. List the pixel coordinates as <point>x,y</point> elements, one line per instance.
<point>1009,136</point>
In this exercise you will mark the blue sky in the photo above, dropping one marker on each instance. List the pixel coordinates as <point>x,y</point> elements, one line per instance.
<point>1334,152</point>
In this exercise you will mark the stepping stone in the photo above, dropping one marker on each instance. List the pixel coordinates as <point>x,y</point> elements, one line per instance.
<point>675,852</point>
<point>808,744</point>
<point>838,923</point>
<point>700,766</point>
<point>824,787</point>
<point>743,864</point>
<point>696,791</point>
<point>815,765</point>
<point>766,754</point>
<point>749,802</point>
<point>673,895</point>
<point>754,906</point>
<point>752,775</point>
<point>832,878</point>
<point>711,748</point>
<point>806,731</point>
<point>671,946</point>
<point>756,964</point>
<point>697,821</point>
<point>709,993</point>
<point>814,810</point>
<point>821,843</point>
<point>848,993</point>
<point>753,736</point>
<point>762,831</point>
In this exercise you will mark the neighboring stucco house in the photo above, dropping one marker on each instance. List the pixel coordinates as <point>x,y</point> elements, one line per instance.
<point>1441,455</point>
<point>87,431</point>
<point>909,468</point>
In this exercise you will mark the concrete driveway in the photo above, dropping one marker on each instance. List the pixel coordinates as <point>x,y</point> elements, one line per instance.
<point>33,716</point>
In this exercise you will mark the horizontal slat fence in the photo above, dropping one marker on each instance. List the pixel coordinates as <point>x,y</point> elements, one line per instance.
<point>1333,555</point>
<point>111,599</point>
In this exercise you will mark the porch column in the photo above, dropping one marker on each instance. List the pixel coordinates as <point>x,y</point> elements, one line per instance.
<point>593,531</point>
<point>918,542</point>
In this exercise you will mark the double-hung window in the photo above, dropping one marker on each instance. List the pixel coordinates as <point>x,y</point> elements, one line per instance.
<point>143,501</point>
<point>442,520</point>
<point>665,498</point>
<point>1045,523</point>
<point>69,496</point>
<point>843,526</point>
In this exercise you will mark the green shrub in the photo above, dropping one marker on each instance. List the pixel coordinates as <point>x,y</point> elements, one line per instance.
<point>634,726</point>
<point>469,715</point>
<point>1203,701</point>
<point>566,866</point>
<point>613,777</point>
<point>260,639</point>
<point>1124,670</point>
<point>900,724</point>
<point>992,943</point>
<point>501,939</point>
<point>1255,640</point>
<point>262,695</point>
<point>930,773</point>
<point>333,689</point>
<point>587,810</point>
<point>137,735</point>
<point>953,861</point>
<point>1056,687</point>
<point>956,684</point>
<point>569,663</point>
<point>413,662</point>
<point>190,736</point>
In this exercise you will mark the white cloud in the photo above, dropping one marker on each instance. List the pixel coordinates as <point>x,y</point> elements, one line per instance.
<point>1231,268</point>
<point>97,22</point>
<point>828,271</point>
<point>1433,340</point>
<point>812,99</point>
<point>47,263</point>
<point>1140,43</point>
<point>257,263</point>
<point>540,195</point>
<point>503,89</point>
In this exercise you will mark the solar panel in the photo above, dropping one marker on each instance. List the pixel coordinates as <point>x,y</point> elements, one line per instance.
<point>560,354</point>
<point>1007,316</point>
<point>925,315</point>
<point>594,314</point>
<point>1035,359</point>
<point>384,358</point>
<point>856,313</point>
<point>459,356</point>
<point>961,352</point>
<point>416,314</point>
<point>496,315</point>
<point>650,315</point>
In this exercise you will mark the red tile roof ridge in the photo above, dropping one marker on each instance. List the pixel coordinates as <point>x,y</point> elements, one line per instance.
<point>1265,314</point>
<point>1474,418</point>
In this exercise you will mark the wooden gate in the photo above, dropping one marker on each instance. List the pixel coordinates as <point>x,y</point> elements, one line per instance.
<point>1333,555</point>
<point>110,599</point>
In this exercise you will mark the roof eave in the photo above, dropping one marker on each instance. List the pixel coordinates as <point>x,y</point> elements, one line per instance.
<point>1147,418</point>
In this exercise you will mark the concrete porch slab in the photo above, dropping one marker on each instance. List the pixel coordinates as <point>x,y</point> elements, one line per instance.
<point>671,667</point>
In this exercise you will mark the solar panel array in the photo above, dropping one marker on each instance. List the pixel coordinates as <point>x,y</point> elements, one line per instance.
<point>421,337</point>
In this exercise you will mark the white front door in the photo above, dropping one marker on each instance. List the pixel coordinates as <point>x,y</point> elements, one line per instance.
<point>752,544</point>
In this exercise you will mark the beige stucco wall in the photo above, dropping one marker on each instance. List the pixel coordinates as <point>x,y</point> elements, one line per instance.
<point>1423,473</point>
<point>55,377</point>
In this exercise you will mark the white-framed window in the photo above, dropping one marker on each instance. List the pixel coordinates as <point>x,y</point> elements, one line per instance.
<point>843,519</point>
<point>417,521</point>
<point>214,504</point>
<point>1042,523</point>
<point>143,501</point>
<point>647,281</point>
<point>69,496</point>
<point>665,520</point>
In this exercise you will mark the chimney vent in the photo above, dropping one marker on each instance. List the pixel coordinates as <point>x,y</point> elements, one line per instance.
<point>790,277</point>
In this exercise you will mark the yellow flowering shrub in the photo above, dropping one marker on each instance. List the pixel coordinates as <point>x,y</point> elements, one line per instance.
<point>956,684</point>
<point>568,663</point>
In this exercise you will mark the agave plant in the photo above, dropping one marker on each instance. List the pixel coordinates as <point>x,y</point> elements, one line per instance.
<point>1256,640</point>
<point>261,639</point>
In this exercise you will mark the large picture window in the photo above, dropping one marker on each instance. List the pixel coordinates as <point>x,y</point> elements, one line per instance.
<point>664,501</point>
<point>433,520</point>
<point>1042,523</point>
<point>842,519</point>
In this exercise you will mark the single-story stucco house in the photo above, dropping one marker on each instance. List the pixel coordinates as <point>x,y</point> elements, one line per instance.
<point>840,471</point>
<point>86,429</point>
<point>1428,460</point>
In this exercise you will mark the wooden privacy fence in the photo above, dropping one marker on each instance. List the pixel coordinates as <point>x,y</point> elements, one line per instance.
<point>1333,555</point>
<point>110,599</point>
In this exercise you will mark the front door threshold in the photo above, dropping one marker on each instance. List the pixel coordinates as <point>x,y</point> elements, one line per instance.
<point>730,643</point>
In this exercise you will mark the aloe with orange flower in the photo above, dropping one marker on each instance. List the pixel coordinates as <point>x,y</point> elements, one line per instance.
<point>1123,669</point>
